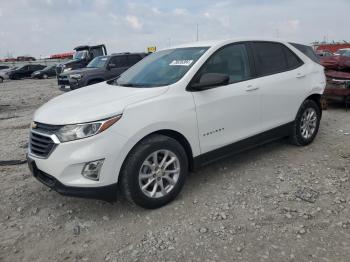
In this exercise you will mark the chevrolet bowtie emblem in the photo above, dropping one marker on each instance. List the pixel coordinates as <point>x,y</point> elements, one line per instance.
<point>33,125</point>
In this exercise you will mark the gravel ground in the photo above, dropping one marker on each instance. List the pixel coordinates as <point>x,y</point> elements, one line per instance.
<point>274,203</point>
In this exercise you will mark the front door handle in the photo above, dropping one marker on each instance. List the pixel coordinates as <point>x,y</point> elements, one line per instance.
<point>300,75</point>
<point>251,88</point>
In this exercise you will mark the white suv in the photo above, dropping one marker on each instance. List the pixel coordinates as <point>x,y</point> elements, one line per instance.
<point>172,112</point>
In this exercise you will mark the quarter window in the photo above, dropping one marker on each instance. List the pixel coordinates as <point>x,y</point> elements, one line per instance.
<point>231,60</point>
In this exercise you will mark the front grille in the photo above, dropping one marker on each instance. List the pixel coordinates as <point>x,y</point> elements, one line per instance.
<point>59,69</point>
<point>47,128</point>
<point>63,80</point>
<point>41,145</point>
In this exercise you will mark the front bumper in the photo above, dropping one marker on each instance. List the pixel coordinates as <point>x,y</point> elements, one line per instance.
<point>66,81</point>
<point>65,161</point>
<point>107,193</point>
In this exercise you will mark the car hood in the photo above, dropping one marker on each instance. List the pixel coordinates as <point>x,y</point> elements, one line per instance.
<point>92,103</point>
<point>80,71</point>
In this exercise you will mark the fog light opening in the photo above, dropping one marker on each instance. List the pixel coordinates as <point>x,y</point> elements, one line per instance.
<point>91,170</point>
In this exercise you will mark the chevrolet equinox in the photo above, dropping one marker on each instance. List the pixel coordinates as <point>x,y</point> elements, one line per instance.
<point>173,112</point>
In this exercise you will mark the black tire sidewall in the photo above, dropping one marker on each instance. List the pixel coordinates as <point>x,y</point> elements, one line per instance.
<point>306,105</point>
<point>133,164</point>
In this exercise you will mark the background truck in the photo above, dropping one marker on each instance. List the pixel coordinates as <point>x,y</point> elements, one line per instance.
<point>82,56</point>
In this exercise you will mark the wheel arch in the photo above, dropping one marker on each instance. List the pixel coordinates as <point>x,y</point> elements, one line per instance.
<point>317,99</point>
<point>172,134</point>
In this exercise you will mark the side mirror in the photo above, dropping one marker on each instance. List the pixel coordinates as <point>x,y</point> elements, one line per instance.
<point>210,80</point>
<point>110,66</point>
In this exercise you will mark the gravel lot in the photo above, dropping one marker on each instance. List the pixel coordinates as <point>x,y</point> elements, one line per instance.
<point>274,203</point>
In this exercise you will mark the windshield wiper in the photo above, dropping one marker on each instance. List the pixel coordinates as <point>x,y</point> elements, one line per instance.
<point>129,85</point>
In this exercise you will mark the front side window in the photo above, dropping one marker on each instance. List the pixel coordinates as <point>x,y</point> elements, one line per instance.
<point>161,68</point>
<point>231,60</point>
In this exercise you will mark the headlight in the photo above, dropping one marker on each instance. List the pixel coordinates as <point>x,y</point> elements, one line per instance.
<point>76,76</point>
<point>79,131</point>
<point>67,69</point>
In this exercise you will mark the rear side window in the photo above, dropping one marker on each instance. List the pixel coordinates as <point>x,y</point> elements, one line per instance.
<point>133,59</point>
<point>120,61</point>
<point>272,58</point>
<point>307,50</point>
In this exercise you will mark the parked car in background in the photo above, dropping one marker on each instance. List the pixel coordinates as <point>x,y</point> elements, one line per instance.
<point>340,61</point>
<point>3,67</point>
<point>9,59</point>
<point>100,69</point>
<point>45,73</point>
<point>25,58</point>
<point>82,56</point>
<point>174,111</point>
<point>24,71</point>
<point>343,52</point>
<point>324,53</point>
<point>4,73</point>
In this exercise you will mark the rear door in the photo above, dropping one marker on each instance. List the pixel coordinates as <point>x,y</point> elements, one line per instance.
<point>282,82</point>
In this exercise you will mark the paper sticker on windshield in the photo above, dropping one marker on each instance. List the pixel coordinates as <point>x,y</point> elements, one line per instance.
<point>181,62</point>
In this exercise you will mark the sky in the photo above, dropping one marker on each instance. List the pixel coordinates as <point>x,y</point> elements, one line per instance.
<point>45,27</point>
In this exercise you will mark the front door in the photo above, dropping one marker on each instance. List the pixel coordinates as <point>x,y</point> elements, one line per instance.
<point>227,114</point>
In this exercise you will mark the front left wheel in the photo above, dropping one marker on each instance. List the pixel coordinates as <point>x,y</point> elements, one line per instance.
<point>154,172</point>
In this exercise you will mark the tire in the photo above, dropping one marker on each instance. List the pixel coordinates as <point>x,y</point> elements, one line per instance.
<point>131,181</point>
<point>45,76</point>
<point>1,80</point>
<point>306,124</point>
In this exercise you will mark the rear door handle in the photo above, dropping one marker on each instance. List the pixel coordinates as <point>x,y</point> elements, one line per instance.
<point>251,88</point>
<point>300,75</point>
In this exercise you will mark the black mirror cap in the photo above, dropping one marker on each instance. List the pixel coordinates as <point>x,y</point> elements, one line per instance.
<point>210,80</point>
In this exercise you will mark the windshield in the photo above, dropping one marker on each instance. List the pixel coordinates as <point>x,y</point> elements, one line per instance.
<point>98,62</point>
<point>161,68</point>
<point>80,54</point>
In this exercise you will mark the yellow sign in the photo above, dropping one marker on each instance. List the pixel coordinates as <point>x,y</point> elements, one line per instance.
<point>151,49</point>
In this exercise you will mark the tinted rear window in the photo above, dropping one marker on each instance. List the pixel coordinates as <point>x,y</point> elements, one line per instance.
<point>271,58</point>
<point>307,50</point>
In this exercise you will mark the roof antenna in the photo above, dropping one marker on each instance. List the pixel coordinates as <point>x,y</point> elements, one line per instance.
<point>197,33</point>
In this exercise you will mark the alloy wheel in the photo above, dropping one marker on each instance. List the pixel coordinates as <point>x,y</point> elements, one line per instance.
<point>159,173</point>
<point>308,123</point>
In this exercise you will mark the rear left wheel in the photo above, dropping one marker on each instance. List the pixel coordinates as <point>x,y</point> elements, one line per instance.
<point>154,172</point>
